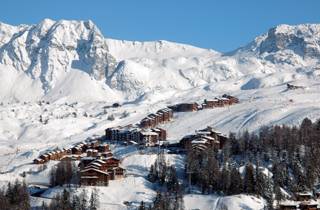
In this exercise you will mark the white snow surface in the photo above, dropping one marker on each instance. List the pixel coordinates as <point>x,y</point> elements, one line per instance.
<point>80,73</point>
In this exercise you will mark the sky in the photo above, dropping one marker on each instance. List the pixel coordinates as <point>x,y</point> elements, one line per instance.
<point>222,25</point>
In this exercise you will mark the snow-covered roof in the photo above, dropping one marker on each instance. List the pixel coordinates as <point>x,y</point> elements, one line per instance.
<point>89,177</point>
<point>208,137</point>
<point>203,132</point>
<point>199,141</point>
<point>309,203</point>
<point>304,193</point>
<point>96,164</point>
<point>289,203</point>
<point>88,158</point>
<point>212,100</point>
<point>100,161</point>
<point>93,169</point>
<point>149,133</point>
<point>92,166</point>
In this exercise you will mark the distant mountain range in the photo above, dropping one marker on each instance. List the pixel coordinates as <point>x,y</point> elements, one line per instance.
<point>72,60</point>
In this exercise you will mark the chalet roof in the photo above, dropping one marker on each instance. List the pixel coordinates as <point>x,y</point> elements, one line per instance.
<point>149,133</point>
<point>96,164</point>
<point>92,166</point>
<point>106,152</point>
<point>199,141</point>
<point>96,170</point>
<point>309,203</point>
<point>289,203</point>
<point>203,132</point>
<point>212,100</point>
<point>92,150</point>
<point>199,147</point>
<point>224,99</point>
<point>133,142</point>
<point>100,161</point>
<point>208,137</point>
<point>89,177</point>
<point>109,158</point>
<point>88,158</point>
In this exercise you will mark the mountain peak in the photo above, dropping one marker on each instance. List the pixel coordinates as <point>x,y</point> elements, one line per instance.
<point>51,48</point>
<point>301,40</point>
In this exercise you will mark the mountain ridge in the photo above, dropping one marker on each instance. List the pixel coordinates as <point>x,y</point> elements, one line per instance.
<point>47,52</point>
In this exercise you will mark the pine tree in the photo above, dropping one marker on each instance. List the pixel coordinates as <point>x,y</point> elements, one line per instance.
<point>142,206</point>
<point>93,203</point>
<point>236,186</point>
<point>65,200</point>
<point>249,182</point>
<point>83,200</point>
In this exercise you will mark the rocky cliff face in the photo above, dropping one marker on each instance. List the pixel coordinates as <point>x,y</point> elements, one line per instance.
<point>48,49</point>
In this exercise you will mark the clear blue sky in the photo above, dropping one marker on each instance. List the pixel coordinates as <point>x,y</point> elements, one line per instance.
<point>222,25</point>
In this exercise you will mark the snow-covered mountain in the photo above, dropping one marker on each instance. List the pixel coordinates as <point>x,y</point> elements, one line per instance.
<point>72,60</point>
<point>68,61</point>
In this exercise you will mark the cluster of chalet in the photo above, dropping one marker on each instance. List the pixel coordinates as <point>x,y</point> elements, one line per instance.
<point>225,100</point>
<point>204,139</point>
<point>147,131</point>
<point>302,201</point>
<point>75,152</point>
<point>154,119</point>
<point>136,135</point>
<point>99,166</point>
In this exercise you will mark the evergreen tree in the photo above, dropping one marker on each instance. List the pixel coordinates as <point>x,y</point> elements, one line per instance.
<point>236,186</point>
<point>93,203</point>
<point>249,181</point>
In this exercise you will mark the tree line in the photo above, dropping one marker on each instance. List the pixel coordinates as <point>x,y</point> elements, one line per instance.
<point>69,201</point>
<point>291,154</point>
<point>64,173</point>
<point>170,193</point>
<point>15,197</point>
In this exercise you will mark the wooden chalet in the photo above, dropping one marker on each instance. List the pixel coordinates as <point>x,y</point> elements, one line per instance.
<point>103,148</point>
<point>204,139</point>
<point>304,196</point>
<point>111,162</point>
<point>184,107</point>
<point>76,150</point>
<point>232,99</point>
<point>106,154</point>
<point>116,173</point>
<point>93,176</point>
<point>162,134</point>
<point>92,152</point>
<point>288,205</point>
<point>308,205</point>
<point>39,161</point>
<point>108,165</point>
<point>154,119</point>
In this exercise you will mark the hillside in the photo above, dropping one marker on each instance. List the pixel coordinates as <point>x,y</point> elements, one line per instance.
<point>79,74</point>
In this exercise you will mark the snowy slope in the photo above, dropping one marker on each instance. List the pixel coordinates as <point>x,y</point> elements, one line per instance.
<point>81,73</point>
